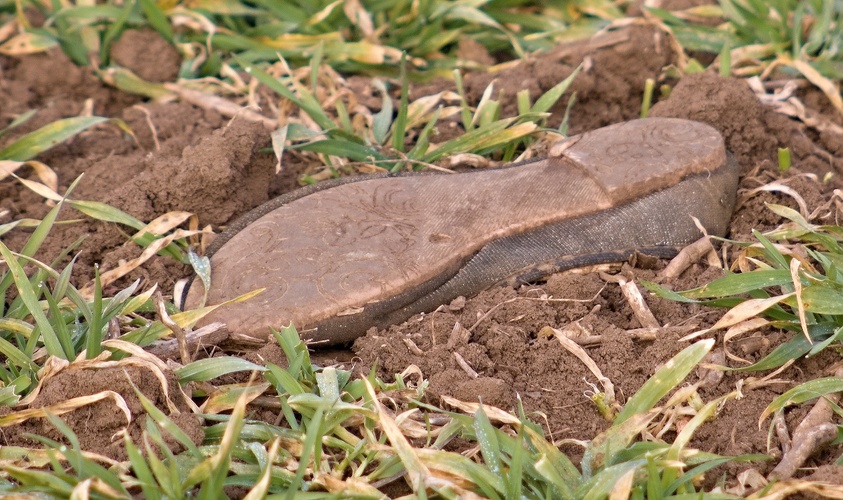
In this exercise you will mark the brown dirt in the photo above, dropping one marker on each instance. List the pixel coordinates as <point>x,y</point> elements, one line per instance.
<point>147,54</point>
<point>98,426</point>
<point>194,160</point>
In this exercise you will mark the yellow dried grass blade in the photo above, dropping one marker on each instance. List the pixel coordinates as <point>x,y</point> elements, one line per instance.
<point>797,290</point>
<point>125,268</point>
<point>494,414</point>
<point>290,41</point>
<point>825,84</point>
<point>184,319</point>
<point>140,361</point>
<point>623,487</point>
<point>39,457</point>
<point>137,352</point>
<point>129,82</point>
<point>17,326</point>
<point>164,223</point>
<point>33,143</point>
<point>46,174</point>
<point>39,189</point>
<point>226,397</point>
<point>745,310</point>
<point>345,487</point>
<point>261,488</point>
<point>418,473</point>
<point>27,43</point>
<point>575,349</point>
<point>66,407</point>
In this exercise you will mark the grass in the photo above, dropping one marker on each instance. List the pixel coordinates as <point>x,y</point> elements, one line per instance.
<point>792,277</point>
<point>385,141</point>
<point>359,37</point>
<point>336,436</point>
<point>794,37</point>
<point>339,440</point>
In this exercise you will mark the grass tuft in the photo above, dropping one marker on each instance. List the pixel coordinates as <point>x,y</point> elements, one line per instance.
<point>795,37</point>
<point>790,278</point>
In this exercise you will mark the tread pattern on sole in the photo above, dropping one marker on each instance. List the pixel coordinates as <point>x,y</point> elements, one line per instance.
<point>353,253</point>
<point>618,232</point>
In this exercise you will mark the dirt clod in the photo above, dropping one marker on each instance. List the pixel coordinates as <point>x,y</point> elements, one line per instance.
<point>147,54</point>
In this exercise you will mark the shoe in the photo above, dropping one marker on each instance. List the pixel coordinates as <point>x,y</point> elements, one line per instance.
<point>342,256</point>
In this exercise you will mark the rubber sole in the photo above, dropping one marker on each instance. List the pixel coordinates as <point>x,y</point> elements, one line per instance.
<point>338,259</point>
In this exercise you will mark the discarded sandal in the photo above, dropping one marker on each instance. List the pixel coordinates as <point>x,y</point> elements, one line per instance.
<point>340,257</point>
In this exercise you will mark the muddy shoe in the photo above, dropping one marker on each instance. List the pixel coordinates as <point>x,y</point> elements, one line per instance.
<point>340,257</point>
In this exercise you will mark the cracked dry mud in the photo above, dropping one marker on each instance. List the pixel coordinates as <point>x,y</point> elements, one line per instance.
<point>198,161</point>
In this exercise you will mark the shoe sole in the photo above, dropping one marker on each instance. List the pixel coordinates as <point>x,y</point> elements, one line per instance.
<point>341,257</point>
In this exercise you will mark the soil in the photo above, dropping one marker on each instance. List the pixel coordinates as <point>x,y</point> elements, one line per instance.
<point>188,159</point>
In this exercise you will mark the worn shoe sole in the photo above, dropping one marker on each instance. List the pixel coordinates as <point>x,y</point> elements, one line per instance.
<point>340,257</point>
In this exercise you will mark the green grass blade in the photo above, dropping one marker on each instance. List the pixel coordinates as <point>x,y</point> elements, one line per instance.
<point>736,284</point>
<point>423,141</point>
<point>283,381</point>
<point>106,213</point>
<point>823,297</point>
<point>383,118</point>
<point>836,337</point>
<point>490,448</point>
<point>309,106</point>
<point>166,473</point>
<point>93,344</point>
<point>561,465</point>
<point>127,81</point>
<point>515,478</point>
<point>166,423</point>
<point>85,467</point>
<point>23,118</point>
<point>30,299</point>
<point>666,293</point>
<point>141,469</point>
<point>773,255</point>
<point>804,392</point>
<point>63,280</point>
<point>70,39</point>
<point>464,110</point>
<point>202,267</point>
<point>666,378</point>
<point>605,449</point>
<point>36,239</point>
<point>469,141</point>
<point>400,125</point>
<point>157,19</point>
<point>794,348</point>
<point>602,484</point>
<point>115,28</point>
<point>552,96</point>
<point>315,62</point>
<point>342,148</point>
<point>62,332</point>
<point>211,368</point>
<point>221,460</point>
<point>34,143</point>
<point>311,448</point>
<point>15,356</point>
<point>48,482</point>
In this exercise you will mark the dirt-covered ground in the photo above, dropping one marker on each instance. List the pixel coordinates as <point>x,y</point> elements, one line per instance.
<point>190,159</point>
